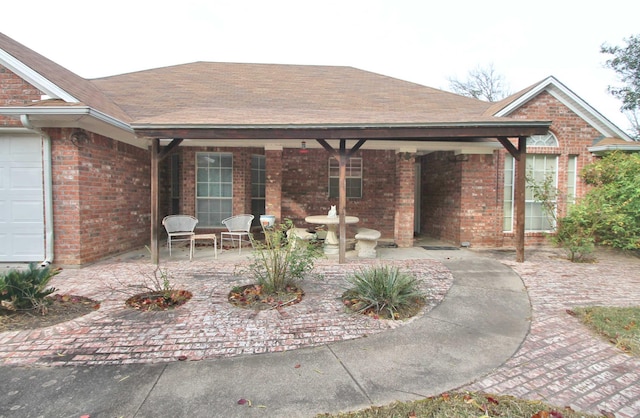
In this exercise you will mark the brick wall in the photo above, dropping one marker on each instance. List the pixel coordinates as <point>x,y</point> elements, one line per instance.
<point>481,209</point>
<point>273,183</point>
<point>14,91</point>
<point>305,189</point>
<point>574,136</point>
<point>462,196</point>
<point>404,199</point>
<point>441,176</point>
<point>101,191</point>
<point>303,185</point>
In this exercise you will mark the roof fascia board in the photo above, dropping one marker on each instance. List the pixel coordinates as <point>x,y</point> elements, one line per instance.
<point>481,124</point>
<point>10,130</point>
<point>34,78</point>
<point>634,147</point>
<point>507,110</point>
<point>588,113</point>
<point>66,111</point>
<point>583,109</point>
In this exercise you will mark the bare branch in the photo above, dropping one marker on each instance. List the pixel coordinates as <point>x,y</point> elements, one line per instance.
<point>482,83</point>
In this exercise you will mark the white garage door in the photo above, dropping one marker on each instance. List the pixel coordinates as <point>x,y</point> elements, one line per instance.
<point>21,199</point>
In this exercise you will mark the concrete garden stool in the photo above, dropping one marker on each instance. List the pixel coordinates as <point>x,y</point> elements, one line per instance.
<point>300,234</point>
<point>366,242</point>
<point>204,236</point>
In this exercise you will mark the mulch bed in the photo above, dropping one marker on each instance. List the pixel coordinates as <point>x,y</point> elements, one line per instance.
<point>253,297</point>
<point>60,308</point>
<point>159,301</point>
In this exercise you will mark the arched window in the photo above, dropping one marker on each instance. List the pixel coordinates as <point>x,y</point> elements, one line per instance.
<point>548,140</point>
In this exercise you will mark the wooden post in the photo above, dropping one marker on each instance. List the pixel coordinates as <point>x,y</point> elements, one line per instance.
<point>520,187</point>
<point>157,155</point>
<point>342,201</point>
<point>155,201</point>
<point>343,157</point>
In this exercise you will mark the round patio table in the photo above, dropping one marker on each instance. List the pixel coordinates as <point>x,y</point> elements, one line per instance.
<point>331,243</point>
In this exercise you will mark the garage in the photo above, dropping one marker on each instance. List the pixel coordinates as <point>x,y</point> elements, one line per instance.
<point>21,199</point>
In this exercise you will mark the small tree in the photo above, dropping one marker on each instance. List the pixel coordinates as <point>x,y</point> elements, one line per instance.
<point>573,233</point>
<point>481,83</point>
<point>626,63</point>
<point>281,261</point>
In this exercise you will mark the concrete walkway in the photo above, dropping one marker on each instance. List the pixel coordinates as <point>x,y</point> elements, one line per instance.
<point>478,326</point>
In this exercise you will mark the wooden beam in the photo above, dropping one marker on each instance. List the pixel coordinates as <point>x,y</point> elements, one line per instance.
<point>515,153</point>
<point>166,151</point>
<point>520,187</point>
<point>426,132</point>
<point>327,147</point>
<point>356,147</point>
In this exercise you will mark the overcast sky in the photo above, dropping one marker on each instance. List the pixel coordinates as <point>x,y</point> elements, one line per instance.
<point>422,41</point>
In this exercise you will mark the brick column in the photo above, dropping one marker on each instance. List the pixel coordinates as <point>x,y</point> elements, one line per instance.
<point>404,199</point>
<point>273,188</point>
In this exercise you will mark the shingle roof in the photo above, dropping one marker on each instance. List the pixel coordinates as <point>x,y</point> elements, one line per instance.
<point>233,93</point>
<point>82,89</point>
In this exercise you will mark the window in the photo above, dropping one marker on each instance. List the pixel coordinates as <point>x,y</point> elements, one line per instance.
<point>353,178</point>
<point>258,186</point>
<point>548,140</point>
<point>214,188</point>
<point>572,179</point>
<point>539,166</point>
<point>509,176</point>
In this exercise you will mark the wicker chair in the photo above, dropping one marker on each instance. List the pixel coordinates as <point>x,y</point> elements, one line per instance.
<point>238,226</point>
<point>180,228</point>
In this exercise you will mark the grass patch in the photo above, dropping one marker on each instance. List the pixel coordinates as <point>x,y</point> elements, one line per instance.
<point>619,325</point>
<point>463,405</point>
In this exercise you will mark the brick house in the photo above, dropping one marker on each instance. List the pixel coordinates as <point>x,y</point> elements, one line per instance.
<point>89,167</point>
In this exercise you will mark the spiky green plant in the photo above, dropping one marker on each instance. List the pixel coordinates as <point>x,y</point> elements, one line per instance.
<point>382,290</point>
<point>27,289</point>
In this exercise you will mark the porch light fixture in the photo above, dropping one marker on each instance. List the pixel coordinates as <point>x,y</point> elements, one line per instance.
<point>303,148</point>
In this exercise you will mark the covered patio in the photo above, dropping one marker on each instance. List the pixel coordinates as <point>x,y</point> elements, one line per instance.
<point>342,141</point>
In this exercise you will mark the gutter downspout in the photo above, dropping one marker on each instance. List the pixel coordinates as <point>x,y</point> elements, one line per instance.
<point>48,189</point>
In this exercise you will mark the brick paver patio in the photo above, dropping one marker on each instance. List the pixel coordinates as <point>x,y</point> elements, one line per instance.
<point>207,326</point>
<point>561,362</point>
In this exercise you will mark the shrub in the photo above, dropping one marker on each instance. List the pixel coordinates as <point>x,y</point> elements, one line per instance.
<point>384,291</point>
<point>279,262</point>
<point>614,201</point>
<point>575,232</point>
<point>575,235</point>
<point>27,289</point>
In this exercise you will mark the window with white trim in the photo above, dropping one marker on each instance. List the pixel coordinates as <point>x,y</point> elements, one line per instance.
<point>572,179</point>
<point>214,188</point>
<point>539,166</point>
<point>548,140</point>
<point>353,178</point>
